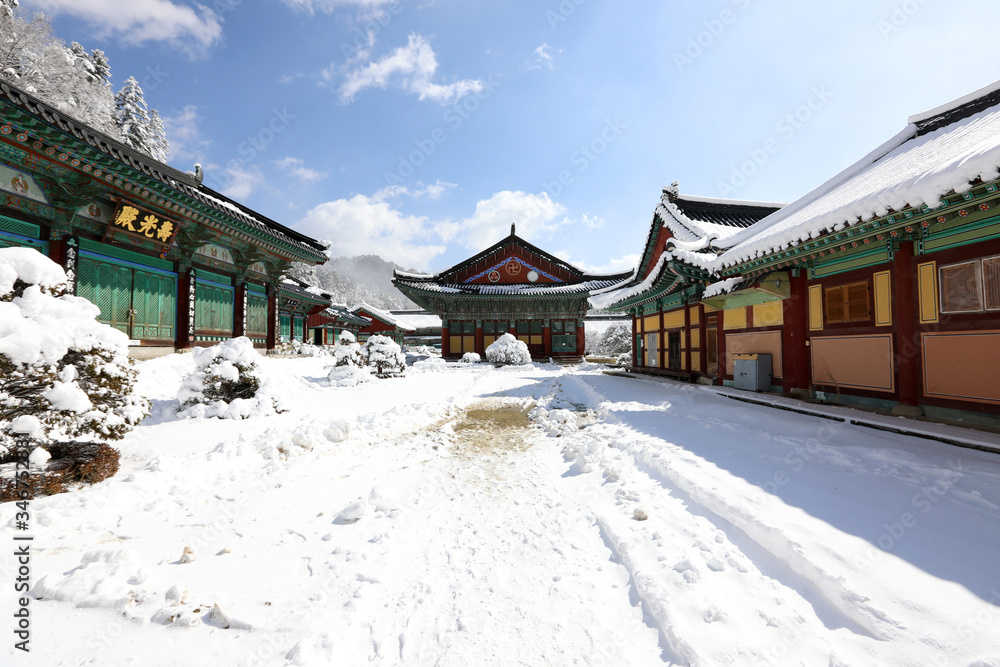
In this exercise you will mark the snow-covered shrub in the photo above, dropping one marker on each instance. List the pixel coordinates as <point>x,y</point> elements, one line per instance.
<point>348,354</point>
<point>470,358</point>
<point>508,350</point>
<point>385,356</point>
<point>624,359</point>
<point>227,383</point>
<point>615,340</point>
<point>58,364</point>
<point>346,338</point>
<point>349,375</point>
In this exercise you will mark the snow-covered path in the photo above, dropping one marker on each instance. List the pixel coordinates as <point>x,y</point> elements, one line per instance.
<point>524,516</point>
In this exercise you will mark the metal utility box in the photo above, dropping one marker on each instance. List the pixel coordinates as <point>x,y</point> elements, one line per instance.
<point>752,371</point>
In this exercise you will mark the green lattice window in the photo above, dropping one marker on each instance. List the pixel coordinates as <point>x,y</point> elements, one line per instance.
<point>256,316</point>
<point>139,303</point>
<point>213,309</point>
<point>286,328</point>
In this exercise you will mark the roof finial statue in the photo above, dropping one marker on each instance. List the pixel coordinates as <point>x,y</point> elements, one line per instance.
<point>512,229</point>
<point>673,190</point>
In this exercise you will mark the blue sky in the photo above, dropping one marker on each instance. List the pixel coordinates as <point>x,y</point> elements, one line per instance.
<point>420,129</point>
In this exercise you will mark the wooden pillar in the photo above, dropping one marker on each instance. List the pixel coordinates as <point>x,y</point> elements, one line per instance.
<point>547,337</point>
<point>635,337</point>
<point>702,340</point>
<point>720,334</point>
<point>480,346</point>
<point>795,335</point>
<point>687,337</point>
<point>581,337</point>
<point>272,316</point>
<point>661,353</point>
<point>445,339</point>
<point>57,248</point>
<point>908,352</point>
<point>186,284</point>
<point>240,297</point>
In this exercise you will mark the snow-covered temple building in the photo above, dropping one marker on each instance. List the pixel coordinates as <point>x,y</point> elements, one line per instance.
<point>511,287</point>
<point>380,322</point>
<point>169,261</point>
<point>879,288</point>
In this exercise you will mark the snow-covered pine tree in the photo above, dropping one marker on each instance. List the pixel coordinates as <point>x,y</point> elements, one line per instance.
<point>160,147</point>
<point>132,116</point>
<point>102,68</point>
<point>141,128</point>
<point>34,59</point>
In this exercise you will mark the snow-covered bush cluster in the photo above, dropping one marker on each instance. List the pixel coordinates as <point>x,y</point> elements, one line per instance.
<point>470,358</point>
<point>385,356</point>
<point>227,383</point>
<point>66,375</point>
<point>347,352</point>
<point>508,350</point>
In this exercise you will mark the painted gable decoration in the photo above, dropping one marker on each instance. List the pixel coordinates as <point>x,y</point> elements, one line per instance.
<point>513,270</point>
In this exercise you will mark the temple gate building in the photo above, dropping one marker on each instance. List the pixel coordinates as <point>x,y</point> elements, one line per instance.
<point>511,287</point>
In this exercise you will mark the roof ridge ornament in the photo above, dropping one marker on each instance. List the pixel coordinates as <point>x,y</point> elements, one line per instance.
<point>673,190</point>
<point>512,229</point>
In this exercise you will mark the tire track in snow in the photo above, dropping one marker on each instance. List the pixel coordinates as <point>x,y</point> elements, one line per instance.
<point>834,602</point>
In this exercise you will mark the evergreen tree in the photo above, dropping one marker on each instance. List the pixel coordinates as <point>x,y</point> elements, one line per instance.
<point>132,116</point>
<point>101,65</point>
<point>41,64</point>
<point>158,137</point>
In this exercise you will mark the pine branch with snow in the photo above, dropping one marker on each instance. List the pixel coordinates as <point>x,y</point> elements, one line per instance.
<point>227,383</point>
<point>63,374</point>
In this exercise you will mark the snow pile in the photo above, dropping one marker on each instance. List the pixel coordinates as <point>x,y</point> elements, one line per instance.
<point>346,337</point>
<point>470,358</point>
<point>227,383</point>
<point>58,364</point>
<point>385,356</point>
<point>349,375</point>
<point>508,350</point>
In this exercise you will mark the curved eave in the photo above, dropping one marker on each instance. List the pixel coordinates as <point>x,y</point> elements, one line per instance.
<point>91,146</point>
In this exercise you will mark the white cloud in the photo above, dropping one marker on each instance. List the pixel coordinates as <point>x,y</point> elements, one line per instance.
<point>433,191</point>
<point>541,58</point>
<point>297,168</point>
<point>364,225</point>
<point>184,133</point>
<point>239,183</point>
<point>289,77</point>
<point>328,6</point>
<point>411,67</point>
<point>615,265</point>
<point>140,21</point>
<point>536,216</point>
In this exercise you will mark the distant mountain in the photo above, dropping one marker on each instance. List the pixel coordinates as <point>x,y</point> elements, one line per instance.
<point>352,279</point>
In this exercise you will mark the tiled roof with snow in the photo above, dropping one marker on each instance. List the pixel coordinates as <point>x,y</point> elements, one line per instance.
<point>420,319</point>
<point>518,289</point>
<point>916,167</point>
<point>382,315</point>
<point>147,167</point>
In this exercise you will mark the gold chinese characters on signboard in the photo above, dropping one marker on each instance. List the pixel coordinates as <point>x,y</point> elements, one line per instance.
<point>144,223</point>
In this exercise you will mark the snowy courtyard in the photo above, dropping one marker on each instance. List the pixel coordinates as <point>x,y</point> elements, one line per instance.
<point>527,515</point>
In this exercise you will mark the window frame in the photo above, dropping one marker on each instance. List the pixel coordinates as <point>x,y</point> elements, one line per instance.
<point>845,291</point>
<point>979,266</point>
